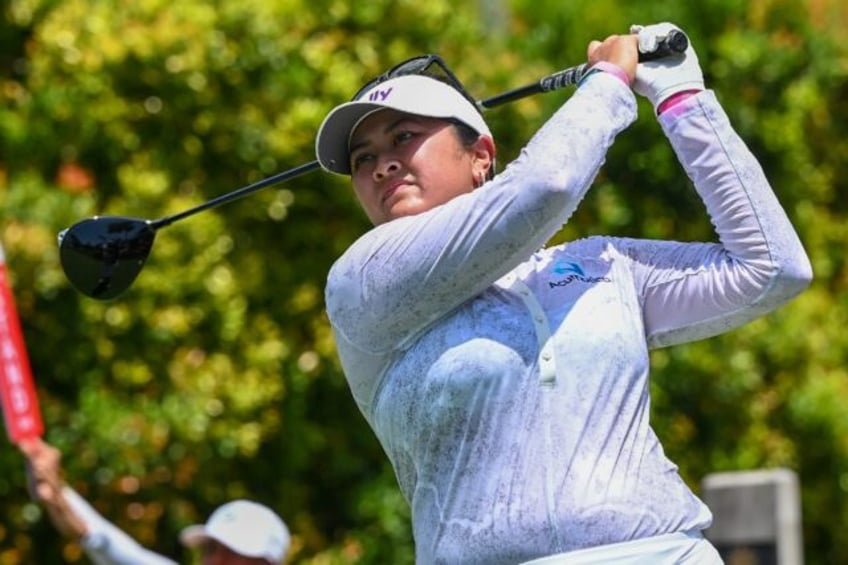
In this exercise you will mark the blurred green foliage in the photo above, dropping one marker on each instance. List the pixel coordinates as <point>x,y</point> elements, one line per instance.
<point>214,376</point>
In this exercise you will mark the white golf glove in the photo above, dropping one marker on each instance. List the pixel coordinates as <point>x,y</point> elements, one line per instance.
<point>657,80</point>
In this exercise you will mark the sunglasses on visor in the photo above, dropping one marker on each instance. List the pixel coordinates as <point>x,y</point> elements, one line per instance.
<point>431,66</point>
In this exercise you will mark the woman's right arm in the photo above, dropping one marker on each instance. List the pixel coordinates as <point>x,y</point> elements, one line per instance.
<point>403,275</point>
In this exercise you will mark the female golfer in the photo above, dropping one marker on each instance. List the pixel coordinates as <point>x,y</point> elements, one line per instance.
<point>506,381</point>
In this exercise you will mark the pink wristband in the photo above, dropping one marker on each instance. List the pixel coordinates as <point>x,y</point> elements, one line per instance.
<point>675,99</point>
<point>612,69</point>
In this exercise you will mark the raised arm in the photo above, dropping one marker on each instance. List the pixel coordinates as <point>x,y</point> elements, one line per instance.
<point>693,291</point>
<point>75,518</point>
<point>405,274</point>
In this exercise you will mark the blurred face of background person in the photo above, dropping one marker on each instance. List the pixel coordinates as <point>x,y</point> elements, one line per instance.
<point>403,164</point>
<point>214,553</point>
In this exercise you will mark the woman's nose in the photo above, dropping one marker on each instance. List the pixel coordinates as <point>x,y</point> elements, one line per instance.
<point>385,167</point>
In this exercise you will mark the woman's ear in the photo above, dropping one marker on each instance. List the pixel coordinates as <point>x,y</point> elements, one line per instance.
<point>483,158</point>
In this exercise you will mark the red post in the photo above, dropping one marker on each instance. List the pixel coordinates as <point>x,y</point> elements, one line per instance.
<point>17,389</point>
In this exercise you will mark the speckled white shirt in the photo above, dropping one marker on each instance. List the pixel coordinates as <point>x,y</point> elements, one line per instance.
<point>509,385</point>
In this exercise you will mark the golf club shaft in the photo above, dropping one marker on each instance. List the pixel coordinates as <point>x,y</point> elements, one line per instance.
<point>236,194</point>
<point>675,42</point>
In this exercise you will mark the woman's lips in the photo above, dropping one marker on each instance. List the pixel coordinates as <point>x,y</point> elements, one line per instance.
<point>392,188</point>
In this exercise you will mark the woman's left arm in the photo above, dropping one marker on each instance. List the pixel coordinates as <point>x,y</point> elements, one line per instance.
<point>693,291</point>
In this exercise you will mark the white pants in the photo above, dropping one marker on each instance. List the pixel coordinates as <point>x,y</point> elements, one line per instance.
<point>670,549</point>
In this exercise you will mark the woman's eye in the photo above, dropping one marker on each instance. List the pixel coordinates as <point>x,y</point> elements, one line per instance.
<point>402,136</point>
<point>360,159</point>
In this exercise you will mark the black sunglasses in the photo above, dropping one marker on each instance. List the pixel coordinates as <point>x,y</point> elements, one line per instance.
<point>430,65</point>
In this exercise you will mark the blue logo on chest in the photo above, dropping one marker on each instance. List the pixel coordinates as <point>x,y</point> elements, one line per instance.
<point>572,272</point>
<point>563,267</point>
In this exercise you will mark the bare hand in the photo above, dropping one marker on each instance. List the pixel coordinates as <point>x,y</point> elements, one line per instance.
<point>620,50</point>
<point>45,471</point>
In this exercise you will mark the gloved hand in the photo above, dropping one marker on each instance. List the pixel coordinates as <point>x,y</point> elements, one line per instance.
<point>659,79</point>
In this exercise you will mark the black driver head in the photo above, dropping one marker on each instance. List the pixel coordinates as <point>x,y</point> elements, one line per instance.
<point>102,256</point>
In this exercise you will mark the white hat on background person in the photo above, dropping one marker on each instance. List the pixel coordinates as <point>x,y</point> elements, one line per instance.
<point>247,528</point>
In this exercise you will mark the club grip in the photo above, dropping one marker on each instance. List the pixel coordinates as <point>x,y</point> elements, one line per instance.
<point>563,78</point>
<point>675,42</point>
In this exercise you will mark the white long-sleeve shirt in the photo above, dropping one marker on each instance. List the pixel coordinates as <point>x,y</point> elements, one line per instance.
<point>508,385</point>
<point>105,543</point>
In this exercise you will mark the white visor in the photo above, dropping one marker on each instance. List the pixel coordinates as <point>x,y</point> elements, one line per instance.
<point>412,94</point>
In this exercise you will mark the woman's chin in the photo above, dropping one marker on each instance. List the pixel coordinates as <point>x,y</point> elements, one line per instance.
<point>404,207</point>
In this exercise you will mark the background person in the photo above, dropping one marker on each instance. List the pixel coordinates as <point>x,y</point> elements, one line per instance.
<point>506,381</point>
<point>240,532</point>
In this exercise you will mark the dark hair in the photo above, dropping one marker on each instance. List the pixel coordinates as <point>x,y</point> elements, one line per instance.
<point>468,136</point>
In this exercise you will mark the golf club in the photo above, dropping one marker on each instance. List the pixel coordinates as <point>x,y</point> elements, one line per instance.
<point>103,255</point>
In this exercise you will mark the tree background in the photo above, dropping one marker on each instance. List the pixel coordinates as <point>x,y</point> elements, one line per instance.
<point>215,377</point>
